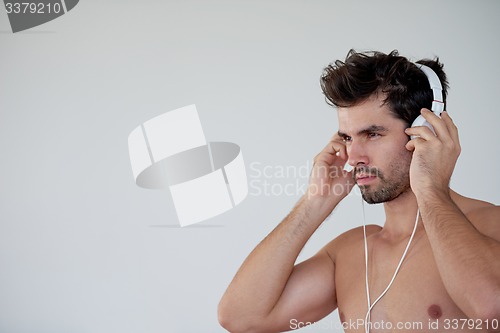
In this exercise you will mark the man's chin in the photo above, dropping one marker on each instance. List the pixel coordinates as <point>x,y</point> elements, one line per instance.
<point>370,200</point>
<point>376,196</point>
<point>368,195</point>
<point>367,189</point>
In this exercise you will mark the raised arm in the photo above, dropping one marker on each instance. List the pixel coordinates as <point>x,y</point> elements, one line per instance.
<point>269,293</point>
<point>466,248</point>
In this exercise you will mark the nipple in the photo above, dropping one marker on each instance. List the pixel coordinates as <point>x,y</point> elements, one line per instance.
<point>434,311</point>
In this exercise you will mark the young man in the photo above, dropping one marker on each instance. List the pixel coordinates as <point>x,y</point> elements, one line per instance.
<point>449,279</point>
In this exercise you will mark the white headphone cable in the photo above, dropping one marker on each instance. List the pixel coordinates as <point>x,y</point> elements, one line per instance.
<point>367,317</point>
<point>370,306</point>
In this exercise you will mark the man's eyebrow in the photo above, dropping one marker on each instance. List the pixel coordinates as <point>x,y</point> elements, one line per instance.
<point>342,134</point>
<point>370,129</point>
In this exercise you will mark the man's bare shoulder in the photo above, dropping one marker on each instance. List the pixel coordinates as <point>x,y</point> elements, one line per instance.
<point>483,215</point>
<point>486,219</point>
<point>349,238</point>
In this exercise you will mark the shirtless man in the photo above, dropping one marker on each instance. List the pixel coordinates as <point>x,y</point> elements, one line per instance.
<point>449,279</point>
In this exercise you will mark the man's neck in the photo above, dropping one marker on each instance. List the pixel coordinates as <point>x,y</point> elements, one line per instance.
<point>400,214</point>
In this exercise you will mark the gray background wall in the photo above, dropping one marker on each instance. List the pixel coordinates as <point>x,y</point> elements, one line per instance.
<point>83,249</point>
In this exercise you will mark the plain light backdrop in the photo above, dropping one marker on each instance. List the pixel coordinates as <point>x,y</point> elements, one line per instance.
<point>84,250</point>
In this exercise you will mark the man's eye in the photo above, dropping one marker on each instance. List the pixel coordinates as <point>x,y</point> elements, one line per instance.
<point>373,135</point>
<point>347,139</point>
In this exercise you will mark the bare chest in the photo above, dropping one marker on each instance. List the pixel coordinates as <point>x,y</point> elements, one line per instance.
<point>416,301</point>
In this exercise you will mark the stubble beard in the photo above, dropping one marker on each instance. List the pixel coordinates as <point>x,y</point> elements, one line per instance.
<point>388,189</point>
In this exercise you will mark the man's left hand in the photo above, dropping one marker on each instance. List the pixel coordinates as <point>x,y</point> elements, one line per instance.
<point>434,156</point>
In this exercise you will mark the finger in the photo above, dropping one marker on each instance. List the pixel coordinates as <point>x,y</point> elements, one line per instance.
<point>337,139</point>
<point>423,132</point>
<point>342,153</point>
<point>452,128</point>
<point>436,122</point>
<point>332,151</point>
<point>335,146</point>
<point>413,143</point>
<point>410,145</point>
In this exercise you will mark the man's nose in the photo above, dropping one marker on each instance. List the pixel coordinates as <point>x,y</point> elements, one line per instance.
<point>357,154</point>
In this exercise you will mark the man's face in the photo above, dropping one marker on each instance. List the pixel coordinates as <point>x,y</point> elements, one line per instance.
<point>375,142</point>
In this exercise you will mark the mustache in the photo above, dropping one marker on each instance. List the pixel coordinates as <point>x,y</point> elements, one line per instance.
<point>367,171</point>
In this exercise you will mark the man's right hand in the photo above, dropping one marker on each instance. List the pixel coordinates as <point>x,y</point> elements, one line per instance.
<point>329,183</point>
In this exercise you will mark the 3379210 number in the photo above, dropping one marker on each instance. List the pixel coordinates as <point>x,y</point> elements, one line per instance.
<point>32,8</point>
<point>478,324</point>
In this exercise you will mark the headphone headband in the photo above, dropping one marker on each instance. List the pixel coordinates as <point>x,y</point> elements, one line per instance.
<point>437,89</point>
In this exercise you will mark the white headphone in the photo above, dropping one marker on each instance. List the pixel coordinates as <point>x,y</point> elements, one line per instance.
<point>437,93</point>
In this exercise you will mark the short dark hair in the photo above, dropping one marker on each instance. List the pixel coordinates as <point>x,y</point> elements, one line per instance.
<point>362,74</point>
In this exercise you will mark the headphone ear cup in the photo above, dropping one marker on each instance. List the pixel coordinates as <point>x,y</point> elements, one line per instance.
<point>420,121</point>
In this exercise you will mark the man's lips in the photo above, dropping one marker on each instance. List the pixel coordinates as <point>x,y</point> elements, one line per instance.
<point>364,175</point>
<point>364,179</point>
